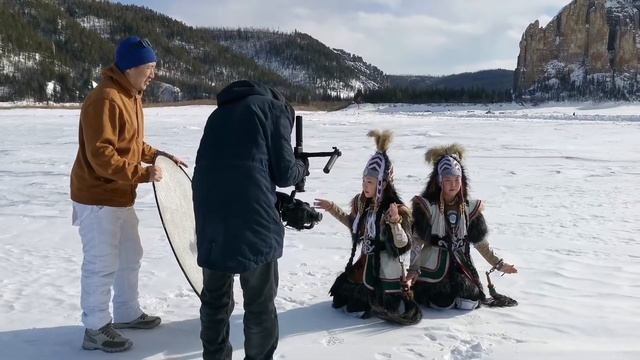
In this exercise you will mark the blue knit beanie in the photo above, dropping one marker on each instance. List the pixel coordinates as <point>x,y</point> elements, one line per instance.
<point>132,52</point>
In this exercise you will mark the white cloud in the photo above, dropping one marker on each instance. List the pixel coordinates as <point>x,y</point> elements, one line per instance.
<point>388,3</point>
<point>418,37</point>
<point>409,23</point>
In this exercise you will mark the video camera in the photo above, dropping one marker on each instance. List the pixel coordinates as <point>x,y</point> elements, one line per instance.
<point>296,213</point>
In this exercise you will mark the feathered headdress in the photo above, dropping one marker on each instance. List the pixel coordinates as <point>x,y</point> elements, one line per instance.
<point>382,139</point>
<point>379,163</point>
<point>379,167</point>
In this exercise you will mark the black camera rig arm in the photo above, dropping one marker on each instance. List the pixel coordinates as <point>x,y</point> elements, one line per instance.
<point>304,156</point>
<point>296,213</point>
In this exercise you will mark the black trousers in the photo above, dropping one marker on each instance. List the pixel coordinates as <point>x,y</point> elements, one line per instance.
<point>259,288</point>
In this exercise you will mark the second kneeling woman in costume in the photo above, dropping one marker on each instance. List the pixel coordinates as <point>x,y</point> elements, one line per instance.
<point>446,223</point>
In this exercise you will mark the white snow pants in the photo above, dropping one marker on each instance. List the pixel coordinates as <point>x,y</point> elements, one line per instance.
<point>112,253</point>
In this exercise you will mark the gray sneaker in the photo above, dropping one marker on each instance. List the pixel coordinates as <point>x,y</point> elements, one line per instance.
<point>105,339</point>
<point>143,321</point>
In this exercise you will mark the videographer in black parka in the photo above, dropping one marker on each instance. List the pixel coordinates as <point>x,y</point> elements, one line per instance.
<point>244,153</point>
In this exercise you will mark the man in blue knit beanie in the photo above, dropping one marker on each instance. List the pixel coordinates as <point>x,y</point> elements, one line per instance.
<point>136,59</point>
<point>104,178</point>
<point>133,52</point>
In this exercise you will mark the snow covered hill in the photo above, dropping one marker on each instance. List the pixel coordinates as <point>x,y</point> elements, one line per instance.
<point>65,43</point>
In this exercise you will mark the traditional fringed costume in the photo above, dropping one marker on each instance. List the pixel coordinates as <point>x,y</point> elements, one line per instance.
<point>442,235</point>
<point>374,283</point>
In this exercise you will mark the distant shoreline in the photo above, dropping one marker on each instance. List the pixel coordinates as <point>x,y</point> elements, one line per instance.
<point>312,106</point>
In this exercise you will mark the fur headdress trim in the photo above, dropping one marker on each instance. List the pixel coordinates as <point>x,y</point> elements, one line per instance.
<point>436,153</point>
<point>383,139</point>
<point>447,160</point>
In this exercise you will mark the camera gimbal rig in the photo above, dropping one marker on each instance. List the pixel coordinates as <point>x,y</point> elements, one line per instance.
<point>300,154</point>
<point>296,213</point>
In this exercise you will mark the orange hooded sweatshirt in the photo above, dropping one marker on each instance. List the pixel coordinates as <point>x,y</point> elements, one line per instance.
<point>111,143</point>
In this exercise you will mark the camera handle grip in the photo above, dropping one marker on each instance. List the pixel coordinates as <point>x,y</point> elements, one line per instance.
<point>334,156</point>
<point>300,185</point>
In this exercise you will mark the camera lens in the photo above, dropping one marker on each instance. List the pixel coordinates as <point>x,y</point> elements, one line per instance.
<point>315,216</point>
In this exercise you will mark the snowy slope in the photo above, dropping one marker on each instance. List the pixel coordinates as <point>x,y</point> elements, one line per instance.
<point>562,204</point>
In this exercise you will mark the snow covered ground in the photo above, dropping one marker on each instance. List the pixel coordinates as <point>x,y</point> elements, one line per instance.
<point>562,204</point>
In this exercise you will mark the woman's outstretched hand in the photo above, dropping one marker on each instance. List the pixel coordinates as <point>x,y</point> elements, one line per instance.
<point>322,204</point>
<point>508,269</point>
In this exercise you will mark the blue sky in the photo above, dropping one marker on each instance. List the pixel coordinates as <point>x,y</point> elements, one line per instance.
<point>422,37</point>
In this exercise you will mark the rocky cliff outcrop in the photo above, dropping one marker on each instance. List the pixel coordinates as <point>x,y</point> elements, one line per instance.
<point>589,50</point>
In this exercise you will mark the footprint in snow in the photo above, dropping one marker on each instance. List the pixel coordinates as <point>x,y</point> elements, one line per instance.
<point>382,356</point>
<point>332,340</point>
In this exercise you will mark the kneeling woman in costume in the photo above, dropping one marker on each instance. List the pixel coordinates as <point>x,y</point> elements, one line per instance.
<point>380,223</point>
<point>446,223</point>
